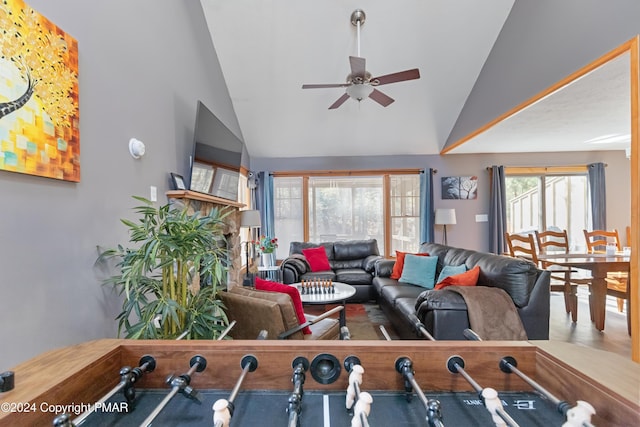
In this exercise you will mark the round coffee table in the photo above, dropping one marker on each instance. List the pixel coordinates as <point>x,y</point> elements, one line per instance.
<point>340,294</point>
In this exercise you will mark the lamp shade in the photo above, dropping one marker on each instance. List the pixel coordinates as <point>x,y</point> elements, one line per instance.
<point>359,91</point>
<point>445,216</point>
<point>250,218</point>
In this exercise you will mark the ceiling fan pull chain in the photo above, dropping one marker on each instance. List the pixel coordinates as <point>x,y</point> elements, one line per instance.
<point>358,37</point>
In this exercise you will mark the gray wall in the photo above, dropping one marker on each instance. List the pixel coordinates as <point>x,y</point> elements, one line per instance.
<point>467,233</point>
<point>542,42</point>
<point>143,65</point>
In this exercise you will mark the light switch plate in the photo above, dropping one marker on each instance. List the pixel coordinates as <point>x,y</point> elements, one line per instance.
<point>154,194</point>
<point>482,218</point>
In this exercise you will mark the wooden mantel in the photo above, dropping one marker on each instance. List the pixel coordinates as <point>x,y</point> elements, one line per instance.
<point>202,197</point>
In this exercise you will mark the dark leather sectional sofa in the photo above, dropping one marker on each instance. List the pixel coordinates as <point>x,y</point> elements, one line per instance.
<point>444,313</point>
<point>351,261</point>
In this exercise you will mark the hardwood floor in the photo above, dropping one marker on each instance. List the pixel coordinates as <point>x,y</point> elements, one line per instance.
<point>614,338</point>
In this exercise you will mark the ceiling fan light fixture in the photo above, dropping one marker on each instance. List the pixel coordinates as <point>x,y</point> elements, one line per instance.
<point>360,84</point>
<point>359,91</point>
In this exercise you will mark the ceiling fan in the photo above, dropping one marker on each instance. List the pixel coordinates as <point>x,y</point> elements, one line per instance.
<point>360,85</point>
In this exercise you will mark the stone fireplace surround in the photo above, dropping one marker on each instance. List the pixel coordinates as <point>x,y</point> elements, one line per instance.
<point>203,203</point>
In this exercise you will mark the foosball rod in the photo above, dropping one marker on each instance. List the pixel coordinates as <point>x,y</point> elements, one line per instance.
<point>385,334</point>
<point>404,366</point>
<point>355,369</point>
<point>471,335</point>
<point>181,383</point>
<point>300,366</point>
<point>128,377</point>
<point>420,327</point>
<point>223,408</point>
<point>489,396</point>
<point>345,335</point>
<point>582,412</point>
<point>509,365</point>
<point>220,338</point>
<point>226,330</point>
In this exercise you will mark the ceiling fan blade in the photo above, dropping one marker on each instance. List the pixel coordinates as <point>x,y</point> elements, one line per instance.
<point>323,86</point>
<point>358,66</point>
<point>339,102</point>
<point>396,77</point>
<point>381,98</point>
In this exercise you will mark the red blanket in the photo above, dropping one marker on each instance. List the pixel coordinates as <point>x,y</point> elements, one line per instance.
<point>266,285</point>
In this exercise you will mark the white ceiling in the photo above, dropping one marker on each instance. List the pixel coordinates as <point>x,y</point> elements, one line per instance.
<point>267,49</point>
<point>590,108</point>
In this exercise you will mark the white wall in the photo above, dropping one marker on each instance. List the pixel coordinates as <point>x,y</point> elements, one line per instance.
<point>142,66</point>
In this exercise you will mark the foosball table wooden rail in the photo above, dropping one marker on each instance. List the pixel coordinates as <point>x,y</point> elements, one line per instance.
<point>87,371</point>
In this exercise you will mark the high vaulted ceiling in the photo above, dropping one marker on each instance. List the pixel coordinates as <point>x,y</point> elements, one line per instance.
<point>591,113</point>
<point>268,49</point>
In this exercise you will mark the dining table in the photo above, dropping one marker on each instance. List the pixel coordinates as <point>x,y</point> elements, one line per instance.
<point>599,264</point>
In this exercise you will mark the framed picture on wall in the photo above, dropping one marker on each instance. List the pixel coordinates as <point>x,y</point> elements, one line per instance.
<point>178,181</point>
<point>225,184</point>
<point>201,177</point>
<point>460,187</point>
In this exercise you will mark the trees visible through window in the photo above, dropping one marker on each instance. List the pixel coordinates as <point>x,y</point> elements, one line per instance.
<point>549,202</point>
<point>384,207</point>
<point>346,208</point>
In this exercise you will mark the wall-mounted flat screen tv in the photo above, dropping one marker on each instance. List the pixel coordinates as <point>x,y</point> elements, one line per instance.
<point>217,157</point>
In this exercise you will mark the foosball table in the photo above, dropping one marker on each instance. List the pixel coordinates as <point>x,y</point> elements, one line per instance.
<point>115,382</point>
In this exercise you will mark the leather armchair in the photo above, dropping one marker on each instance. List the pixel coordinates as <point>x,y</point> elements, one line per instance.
<point>255,310</point>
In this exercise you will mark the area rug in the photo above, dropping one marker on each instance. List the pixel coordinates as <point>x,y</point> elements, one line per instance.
<point>363,320</point>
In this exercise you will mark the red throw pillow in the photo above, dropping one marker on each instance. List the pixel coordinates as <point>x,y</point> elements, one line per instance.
<point>317,258</point>
<point>399,265</point>
<point>468,278</point>
<point>267,285</point>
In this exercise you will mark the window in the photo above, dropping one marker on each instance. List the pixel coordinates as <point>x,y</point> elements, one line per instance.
<point>405,212</point>
<point>333,207</point>
<point>346,208</point>
<point>288,208</point>
<point>243,197</point>
<point>549,201</point>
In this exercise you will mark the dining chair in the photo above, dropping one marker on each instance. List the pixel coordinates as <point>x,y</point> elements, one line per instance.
<point>617,281</point>
<point>523,246</point>
<point>558,241</point>
<point>597,240</point>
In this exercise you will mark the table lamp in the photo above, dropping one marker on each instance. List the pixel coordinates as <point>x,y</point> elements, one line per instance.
<point>445,217</point>
<point>249,219</point>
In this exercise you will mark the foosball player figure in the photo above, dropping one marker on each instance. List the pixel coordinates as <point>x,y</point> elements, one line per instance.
<point>355,377</point>
<point>362,408</point>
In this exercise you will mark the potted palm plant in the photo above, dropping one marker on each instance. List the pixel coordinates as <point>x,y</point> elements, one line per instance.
<point>170,279</point>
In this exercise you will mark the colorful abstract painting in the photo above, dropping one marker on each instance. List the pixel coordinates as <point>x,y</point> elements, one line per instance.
<point>39,112</point>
